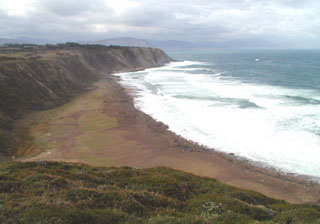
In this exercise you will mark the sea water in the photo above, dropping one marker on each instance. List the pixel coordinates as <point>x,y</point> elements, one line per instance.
<point>263,105</point>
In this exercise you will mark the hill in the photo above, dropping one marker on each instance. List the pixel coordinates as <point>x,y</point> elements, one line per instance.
<point>181,44</point>
<point>13,41</point>
<point>52,192</point>
<point>123,41</point>
<point>41,78</point>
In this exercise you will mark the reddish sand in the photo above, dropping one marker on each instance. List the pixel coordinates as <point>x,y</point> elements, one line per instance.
<point>103,128</point>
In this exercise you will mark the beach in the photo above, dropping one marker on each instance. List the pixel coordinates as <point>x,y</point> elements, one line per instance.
<point>103,128</point>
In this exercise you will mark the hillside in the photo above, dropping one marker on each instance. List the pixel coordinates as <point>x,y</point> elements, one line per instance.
<point>124,41</point>
<point>101,127</point>
<point>51,192</point>
<point>37,80</point>
<point>184,45</point>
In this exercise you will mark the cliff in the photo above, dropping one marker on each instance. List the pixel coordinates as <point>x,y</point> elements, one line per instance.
<point>59,192</point>
<point>31,81</point>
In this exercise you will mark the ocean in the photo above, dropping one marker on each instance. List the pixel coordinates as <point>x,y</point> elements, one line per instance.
<point>263,105</point>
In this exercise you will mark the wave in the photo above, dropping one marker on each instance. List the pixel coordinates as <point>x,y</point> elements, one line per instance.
<point>241,103</point>
<point>272,124</point>
<point>303,100</point>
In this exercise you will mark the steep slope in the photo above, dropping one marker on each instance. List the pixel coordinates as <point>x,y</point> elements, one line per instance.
<point>43,80</point>
<point>115,59</point>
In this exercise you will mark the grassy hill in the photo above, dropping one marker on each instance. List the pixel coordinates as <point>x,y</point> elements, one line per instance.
<point>57,192</point>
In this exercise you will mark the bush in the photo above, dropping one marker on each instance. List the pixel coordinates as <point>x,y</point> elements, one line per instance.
<point>302,215</point>
<point>73,216</point>
<point>52,192</point>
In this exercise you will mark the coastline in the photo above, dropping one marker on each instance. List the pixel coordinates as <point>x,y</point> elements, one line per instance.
<point>133,92</point>
<point>137,140</point>
<point>243,163</point>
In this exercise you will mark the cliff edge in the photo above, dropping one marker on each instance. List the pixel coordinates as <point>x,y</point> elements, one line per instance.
<point>39,80</point>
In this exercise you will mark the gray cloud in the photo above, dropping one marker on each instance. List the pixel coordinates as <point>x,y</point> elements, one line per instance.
<point>192,20</point>
<point>70,7</point>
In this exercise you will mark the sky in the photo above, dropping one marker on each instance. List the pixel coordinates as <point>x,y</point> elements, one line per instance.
<point>286,22</point>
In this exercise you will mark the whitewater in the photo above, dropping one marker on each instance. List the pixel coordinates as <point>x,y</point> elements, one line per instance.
<point>261,105</point>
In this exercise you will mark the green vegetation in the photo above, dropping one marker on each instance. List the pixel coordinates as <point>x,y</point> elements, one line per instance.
<point>53,192</point>
<point>13,48</point>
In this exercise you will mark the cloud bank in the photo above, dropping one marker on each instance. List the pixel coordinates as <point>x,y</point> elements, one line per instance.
<point>286,21</point>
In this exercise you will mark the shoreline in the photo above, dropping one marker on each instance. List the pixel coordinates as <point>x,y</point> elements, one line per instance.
<point>137,140</point>
<point>132,92</point>
<point>255,166</point>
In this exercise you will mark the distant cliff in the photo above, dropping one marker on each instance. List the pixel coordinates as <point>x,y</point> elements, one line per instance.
<point>43,80</point>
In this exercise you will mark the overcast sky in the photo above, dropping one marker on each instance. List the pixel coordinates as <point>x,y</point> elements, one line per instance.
<point>285,21</point>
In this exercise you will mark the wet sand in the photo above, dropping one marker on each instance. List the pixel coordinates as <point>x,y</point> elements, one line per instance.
<point>103,128</point>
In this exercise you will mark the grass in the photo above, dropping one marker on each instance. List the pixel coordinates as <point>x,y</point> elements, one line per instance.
<point>97,122</point>
<point>34,132</point>
<point>80,124</point>
<point>99,141</point>
<point>52,192</point>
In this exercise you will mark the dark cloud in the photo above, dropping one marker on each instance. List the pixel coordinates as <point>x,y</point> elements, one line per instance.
<point>191,20</point>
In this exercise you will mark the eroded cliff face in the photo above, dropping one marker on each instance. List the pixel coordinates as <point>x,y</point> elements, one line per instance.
<point>115,59</point>
<point>45,80</point>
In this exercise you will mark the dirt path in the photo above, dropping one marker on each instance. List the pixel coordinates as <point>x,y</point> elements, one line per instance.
<point>103,128</point>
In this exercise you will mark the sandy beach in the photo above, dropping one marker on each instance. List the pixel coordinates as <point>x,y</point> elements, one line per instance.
<point>103,128</point>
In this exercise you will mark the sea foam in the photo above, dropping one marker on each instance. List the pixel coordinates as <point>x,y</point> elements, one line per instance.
<point>270,124</point>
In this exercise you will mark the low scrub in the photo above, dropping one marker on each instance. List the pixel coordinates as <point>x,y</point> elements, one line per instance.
<point>52,192</point>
